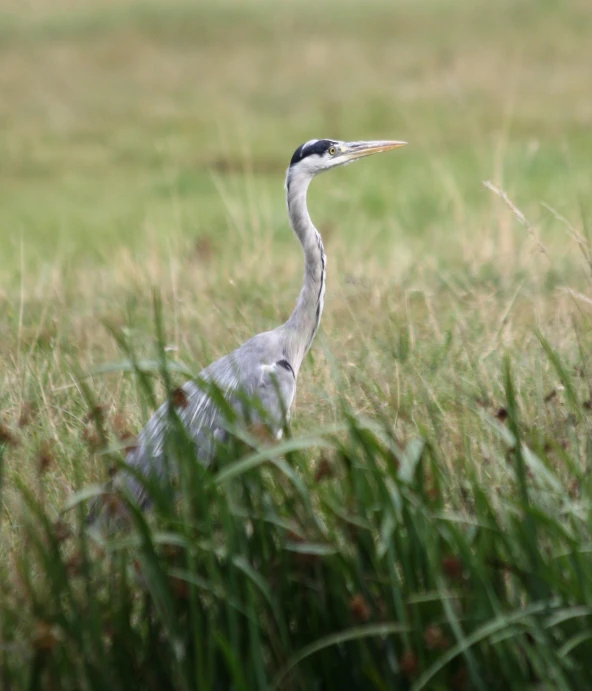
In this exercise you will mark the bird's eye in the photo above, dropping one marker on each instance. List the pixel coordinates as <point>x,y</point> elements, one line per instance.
<point>332,151</point>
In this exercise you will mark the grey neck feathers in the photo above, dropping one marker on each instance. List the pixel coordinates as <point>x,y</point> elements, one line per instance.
<point>303,323</point>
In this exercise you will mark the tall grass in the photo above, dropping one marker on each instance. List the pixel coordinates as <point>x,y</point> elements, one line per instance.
<point>337,559</point>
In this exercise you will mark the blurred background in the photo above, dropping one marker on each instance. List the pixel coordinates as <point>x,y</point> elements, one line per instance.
<point>126,122</point>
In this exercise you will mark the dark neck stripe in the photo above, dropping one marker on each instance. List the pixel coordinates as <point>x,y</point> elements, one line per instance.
<point>321,286</point>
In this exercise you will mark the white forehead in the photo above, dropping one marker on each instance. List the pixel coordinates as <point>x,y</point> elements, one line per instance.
<point>309,143</point>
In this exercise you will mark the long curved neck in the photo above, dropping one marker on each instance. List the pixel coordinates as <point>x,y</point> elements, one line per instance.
<point>301,327</point>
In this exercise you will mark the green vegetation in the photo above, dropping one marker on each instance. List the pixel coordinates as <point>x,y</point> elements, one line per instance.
<point>426,525</point>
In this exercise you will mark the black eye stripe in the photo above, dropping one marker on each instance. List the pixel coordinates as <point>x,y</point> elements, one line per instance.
<point>319,147</point>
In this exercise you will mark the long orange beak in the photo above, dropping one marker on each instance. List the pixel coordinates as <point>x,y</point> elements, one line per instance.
<point>352,150</point>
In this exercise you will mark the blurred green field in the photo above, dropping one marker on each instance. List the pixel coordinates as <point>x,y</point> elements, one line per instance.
<point>144,144</point>
<point>132,127</point>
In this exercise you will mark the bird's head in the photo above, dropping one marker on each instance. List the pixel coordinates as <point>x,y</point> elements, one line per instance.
<point>318,155</point>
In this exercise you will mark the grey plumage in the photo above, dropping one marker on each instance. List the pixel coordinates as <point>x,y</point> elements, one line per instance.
<point>266,367</point>
<point>249,373</point>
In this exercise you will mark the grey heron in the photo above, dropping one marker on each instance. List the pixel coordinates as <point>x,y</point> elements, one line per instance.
<point>266,366</point>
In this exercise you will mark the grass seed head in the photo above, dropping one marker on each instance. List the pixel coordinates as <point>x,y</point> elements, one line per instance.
<point>396,463</point>
<point>27,413</point>
<point>44,637</point>
<point>501,414</point>
<point>97,413</point>
<point>359,609</point>
<point>262,433</point>
<point>435,639</point>
<point>179,398</point>
<point>453,568</point>
<point>130,443</point>
<point>204,249</point>
<point>45,457</point>
<point>114,507</point>
<point>61,530</point>
<point>91,438</point>
<point>7,436</point>
<point>120,426</point>
<point>409,664</point>
<point>324,469</point>
<point>74,564</point>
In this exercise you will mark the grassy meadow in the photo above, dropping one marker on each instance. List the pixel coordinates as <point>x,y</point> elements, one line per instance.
<point>143,146</point>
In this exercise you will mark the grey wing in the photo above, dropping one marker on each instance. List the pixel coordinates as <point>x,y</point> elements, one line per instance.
<point>259,393</point>
<point>271,388</point>
<point>201,417</point>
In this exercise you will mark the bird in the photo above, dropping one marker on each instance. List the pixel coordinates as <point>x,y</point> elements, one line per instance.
<point>265,368</point>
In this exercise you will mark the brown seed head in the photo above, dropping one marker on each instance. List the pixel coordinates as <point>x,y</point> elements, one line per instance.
<point>359,609</point>
<point>44,637</point>
<point>91,439</point>
<point>431,491</point>
<point>45,457</point>
<point>96,413</point>
<point>124,433</point>
<point>27,414</point>
<point>120,425</point>
<point>408,664</point>
<point>112,471</point>
<point>432,494</point>
<point>293,536</point>
<point>74,564</point>
<point>435,639</point>
<point>6,436</point>
<point>204,248</point>
<point>324,469</point>
<point>130,443</point>
<point>262,433</point>
<point>179,587</point>
<point>113,506</point>
<point>61,530</point>
<point>179,398</point>
<point>396,463</point>
<point>452,567</point>
<point>501,414</point>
